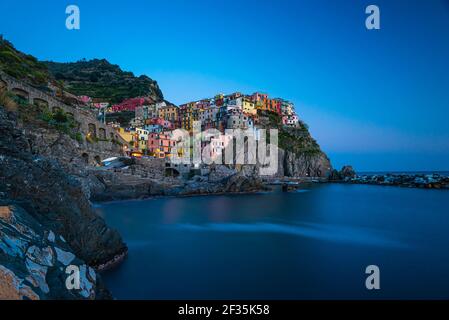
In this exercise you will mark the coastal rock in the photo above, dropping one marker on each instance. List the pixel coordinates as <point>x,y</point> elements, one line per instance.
<point>424,181</point>
<point>347,172</point>
<point>29,268</point>
<point>53,197</point>
<point>305,165</point>
<point>13,288</point>
<point>219,172</point>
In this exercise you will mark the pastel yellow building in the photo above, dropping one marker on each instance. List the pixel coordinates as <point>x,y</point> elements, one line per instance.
<point>169,113</point>
<point>128,136</point>
<point>249,107</point>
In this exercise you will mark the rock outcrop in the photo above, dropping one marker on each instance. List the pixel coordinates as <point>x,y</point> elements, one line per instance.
<point>54,198</point>
<point>305,165</point>
<point>34,261</point>
<point>346,172</point>
<point>299,155</point>
<point>121,185</point>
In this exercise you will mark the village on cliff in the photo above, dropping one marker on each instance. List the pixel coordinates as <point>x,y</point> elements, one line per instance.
<point>149,132</point>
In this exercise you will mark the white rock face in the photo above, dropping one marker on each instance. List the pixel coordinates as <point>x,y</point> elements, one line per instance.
<point>11,245</point>
<point>33,261</point>
<point>12,287</point>
<point>51,236</point>
<point>37,275</point>
<point>86,282</point>
<point>64,257</point>
<point>44,256</point>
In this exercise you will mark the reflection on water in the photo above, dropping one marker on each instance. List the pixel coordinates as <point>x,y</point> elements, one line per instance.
<point>312,230</point>
<point>304,245</point>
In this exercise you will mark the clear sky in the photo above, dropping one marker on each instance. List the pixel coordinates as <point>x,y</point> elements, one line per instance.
<point>378,100</point>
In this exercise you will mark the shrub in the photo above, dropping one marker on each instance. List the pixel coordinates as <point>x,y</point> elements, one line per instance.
<point>7,101</point>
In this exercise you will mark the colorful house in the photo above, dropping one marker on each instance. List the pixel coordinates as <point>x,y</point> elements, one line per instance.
<point>287,108</point>
<point>248,106</point>
<point>290,121</point>
<point>169,112</point>
<point>141,137</point>
<point>238,120</point>
<point>160,144</point>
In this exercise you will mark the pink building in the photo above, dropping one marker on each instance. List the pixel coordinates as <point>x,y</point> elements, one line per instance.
<point>85,99</point>
<point>130,104</point>
<point>160,144</point>
<point>161,122</point>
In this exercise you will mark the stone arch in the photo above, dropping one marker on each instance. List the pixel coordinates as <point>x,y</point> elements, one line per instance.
<point>102,133</point>
<point>40,102</point>
<point>92,128</point>
<point>97,159</point>
<point>56,109</point>
<point>21,93</point>
<point>85,157</point>
<point>171,172</point>
<point>3,85</point>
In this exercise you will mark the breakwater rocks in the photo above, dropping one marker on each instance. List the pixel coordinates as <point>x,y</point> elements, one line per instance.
<point>425,181</point>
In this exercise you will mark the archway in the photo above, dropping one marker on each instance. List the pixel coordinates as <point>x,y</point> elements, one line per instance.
<point>102,133</point>
<point>85,157</point>
<point>21,93</point>
<point>3,85</point>
<point>56,109</point>
<point>92,128</point>
<point>171,172</point>
<point>40,102</point>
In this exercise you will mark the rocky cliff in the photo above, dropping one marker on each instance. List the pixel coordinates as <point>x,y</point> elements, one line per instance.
<point>51,196</point>
<point>299,155</point>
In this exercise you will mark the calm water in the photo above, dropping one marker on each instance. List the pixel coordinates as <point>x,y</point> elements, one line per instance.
<point>311,244</point>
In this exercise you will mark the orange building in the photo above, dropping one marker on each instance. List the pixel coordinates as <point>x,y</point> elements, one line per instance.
<point>264,103</point>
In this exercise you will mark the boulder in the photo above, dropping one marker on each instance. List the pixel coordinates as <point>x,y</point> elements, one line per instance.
<point>34,260</point>
<point>347,172</point>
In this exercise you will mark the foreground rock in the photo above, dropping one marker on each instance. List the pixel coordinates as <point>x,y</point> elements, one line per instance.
<point>54,198</point>
<point>33,261</point>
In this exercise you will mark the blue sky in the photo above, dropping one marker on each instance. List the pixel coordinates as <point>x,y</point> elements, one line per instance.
<point>378,100</point>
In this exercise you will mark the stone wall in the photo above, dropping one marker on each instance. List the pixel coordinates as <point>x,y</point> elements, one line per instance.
<point>86,118</point>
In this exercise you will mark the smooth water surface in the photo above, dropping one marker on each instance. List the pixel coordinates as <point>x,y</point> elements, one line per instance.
<point>310,244</point>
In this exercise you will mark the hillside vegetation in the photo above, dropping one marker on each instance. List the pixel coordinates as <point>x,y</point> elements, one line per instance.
<point>296,140</point>
<point>100,79</point>
<point>96,78</point>
<point>22,66</point>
